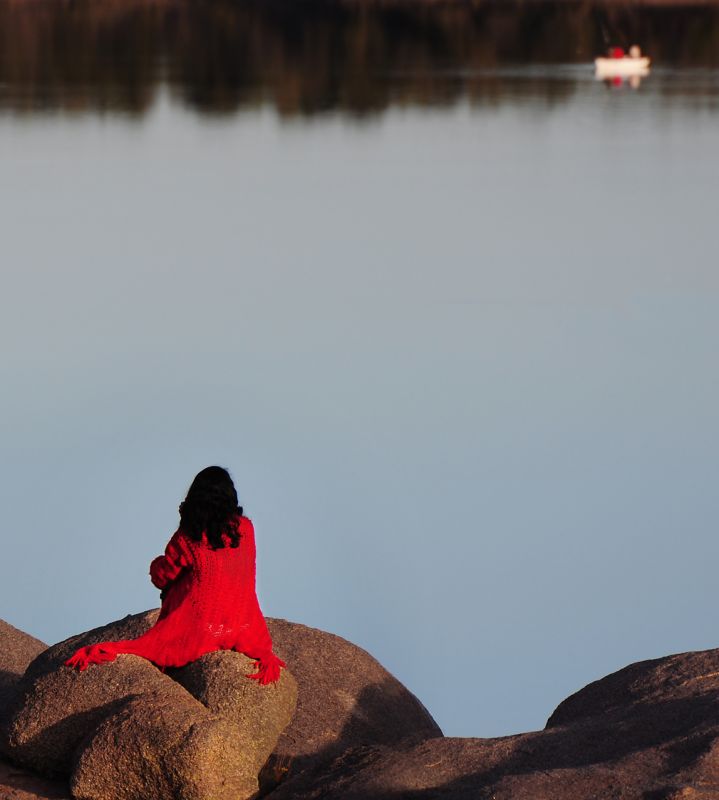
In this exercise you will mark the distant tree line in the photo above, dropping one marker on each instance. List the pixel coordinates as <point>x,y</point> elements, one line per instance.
<point>310,56</point>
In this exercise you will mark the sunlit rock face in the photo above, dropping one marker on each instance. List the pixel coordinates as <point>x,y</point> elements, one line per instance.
<point>186,751</point>
<point>60,708</point>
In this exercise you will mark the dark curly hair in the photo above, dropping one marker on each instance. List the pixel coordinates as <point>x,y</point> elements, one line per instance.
<point>211,507</point>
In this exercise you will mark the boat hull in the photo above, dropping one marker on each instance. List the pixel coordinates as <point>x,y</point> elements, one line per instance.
<point>621,67</point>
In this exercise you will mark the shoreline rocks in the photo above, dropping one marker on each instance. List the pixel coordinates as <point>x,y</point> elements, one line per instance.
<point>647,732</point>
<point>75,723</point>
<point>128,731</point>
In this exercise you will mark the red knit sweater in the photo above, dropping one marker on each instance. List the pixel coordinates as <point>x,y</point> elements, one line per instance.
<point>210,604</point>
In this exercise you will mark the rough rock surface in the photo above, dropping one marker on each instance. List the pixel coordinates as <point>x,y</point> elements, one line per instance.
<point>17,650</point>
<point>17,783</point>
<point>647,732</point>
<point>258,713</point>
<point>126,628</point>
<point>45,680</point>
<point>163,747</point>
<point>682,681</point>
<point>61,708</point>
<point>346,698</point>
<point>103,717</point>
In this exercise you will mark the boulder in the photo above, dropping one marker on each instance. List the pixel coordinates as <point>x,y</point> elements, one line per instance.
<point>41,729</point>
<point>100,719</point>
<point>61,708</point>
<point>259,713</point>
<point>156,747</point>
<point>129,627</point>
<point>657,681</point>
<point>17,650</point>
<point>648,732</point>
<point>346,698</point>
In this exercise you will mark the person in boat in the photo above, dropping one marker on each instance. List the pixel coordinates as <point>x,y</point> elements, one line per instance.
<point>618,52</point>
<point>207,579</point>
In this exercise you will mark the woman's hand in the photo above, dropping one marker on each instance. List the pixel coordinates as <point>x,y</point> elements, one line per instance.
<point>160,572</point>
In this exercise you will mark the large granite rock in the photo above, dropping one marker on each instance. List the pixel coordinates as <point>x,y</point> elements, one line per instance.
<point>211,745</point>
<point>61,707</point>
<point>648,732</point>
<point>258,713</point>
<point>685,681</point>
<point>128,627</point>
<point>346,698</point>
<point>17,650</point>
<point>163,747</point>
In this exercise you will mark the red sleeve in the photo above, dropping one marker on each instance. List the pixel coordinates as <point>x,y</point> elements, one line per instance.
<point>164,569</point>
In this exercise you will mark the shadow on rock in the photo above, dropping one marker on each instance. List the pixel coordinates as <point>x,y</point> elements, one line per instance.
<point>360,731</point>
<point>655,739</point>
<point>346,697</point>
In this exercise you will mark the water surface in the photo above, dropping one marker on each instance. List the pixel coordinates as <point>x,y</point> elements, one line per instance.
<point>444,304</point>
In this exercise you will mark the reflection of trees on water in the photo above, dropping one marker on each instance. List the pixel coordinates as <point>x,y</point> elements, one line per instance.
<point>308,56</point>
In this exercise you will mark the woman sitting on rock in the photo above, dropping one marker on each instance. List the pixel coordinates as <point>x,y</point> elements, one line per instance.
<point>207,578</point>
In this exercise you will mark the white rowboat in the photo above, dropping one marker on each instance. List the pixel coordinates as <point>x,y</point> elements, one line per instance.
<point>622,67</point>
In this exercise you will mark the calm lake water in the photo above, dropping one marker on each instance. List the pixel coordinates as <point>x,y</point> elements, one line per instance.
<point>444,304</point>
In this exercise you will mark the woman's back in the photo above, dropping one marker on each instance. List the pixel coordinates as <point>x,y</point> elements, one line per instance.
<point>212,601</point>
<point>207,578</point>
